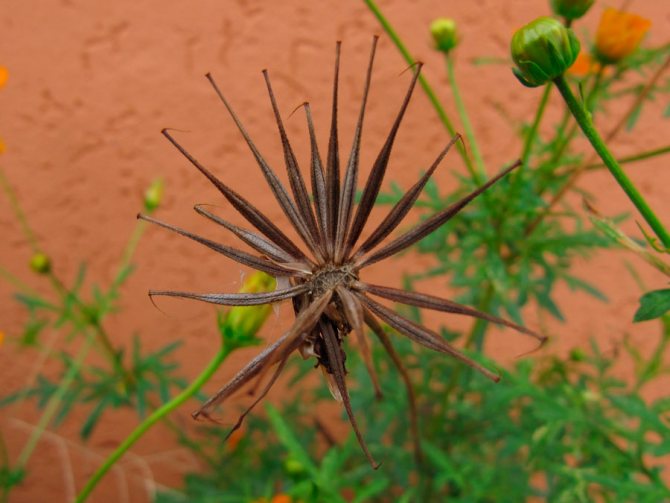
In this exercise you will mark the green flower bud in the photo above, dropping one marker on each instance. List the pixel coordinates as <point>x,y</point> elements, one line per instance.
<point>153,195</point>
<point>542,51</point>
<point>571,9</point>
<point>40,263</point>
<point>577,355</point>
<point>444,34</point>
<point>240,325</point>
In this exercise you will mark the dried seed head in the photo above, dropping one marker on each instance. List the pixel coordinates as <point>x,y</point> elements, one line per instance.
<point>323,283</point>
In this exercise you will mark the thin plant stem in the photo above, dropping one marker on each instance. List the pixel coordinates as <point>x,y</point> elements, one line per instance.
<point>648,154</point>
<point>4,466</point>
<point>54,402</point>
<point>532,132</point>
<point>528,146</point>
<point>131,247</point>
<point>432,97</point>
<point>586,124</point>
<point>642,95</point>
<point>16,282</point>
<point>18,211</point>
<point>156,416</point>
<point>476,335</point>
<point>101,334</point>
<point>478,175</point>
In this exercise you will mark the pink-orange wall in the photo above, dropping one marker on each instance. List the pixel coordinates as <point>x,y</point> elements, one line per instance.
<point>91,85</point>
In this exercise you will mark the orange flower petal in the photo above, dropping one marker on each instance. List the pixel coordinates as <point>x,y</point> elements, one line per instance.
<point>619,34</point>
<point>4,75</point>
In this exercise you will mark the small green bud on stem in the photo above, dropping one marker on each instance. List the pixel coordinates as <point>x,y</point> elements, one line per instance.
<point>40,263</point>
<point>543,50</point>
<point>444,34</point>
<point>240,325</point>
<point>153,195</point>
<point>571,9</point>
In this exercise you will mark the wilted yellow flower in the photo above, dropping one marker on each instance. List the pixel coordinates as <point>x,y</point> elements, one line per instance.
<point>619,34</point>
<point>4,75</point>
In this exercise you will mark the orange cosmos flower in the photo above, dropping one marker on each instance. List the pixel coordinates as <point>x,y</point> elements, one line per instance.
<point>619,34</point>
<point>584,65</point>
<point>277,498</point>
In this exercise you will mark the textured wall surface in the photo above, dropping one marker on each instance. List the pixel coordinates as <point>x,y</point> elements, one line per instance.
<point>91,85</point>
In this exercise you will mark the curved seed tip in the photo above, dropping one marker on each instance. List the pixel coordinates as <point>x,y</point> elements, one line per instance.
<point>153,302</point>
<point>303,104</point>
<point>496,378</point>
<point>165,130</point>
<point>543,340</point>
<point>199,206</point>
<point>205,415</point>
<point>417,64</point>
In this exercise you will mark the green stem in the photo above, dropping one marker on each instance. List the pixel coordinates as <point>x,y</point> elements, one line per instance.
<point>157,415</point>
<point>432,97</point>
<point>528,146</point>
<point>14,280</point>
<point>480,174</point>
<point>111,354</point>
<point>476,335</point>
<point>584,120</point>
<point>532,133</point>
<point>130,249</point>
<point>53,403</point>
<point>18,211</point>
<point>633,158</point>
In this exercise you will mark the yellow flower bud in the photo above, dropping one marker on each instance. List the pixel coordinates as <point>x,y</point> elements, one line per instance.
<point>542,51</point>
<point>240,325</point>
<point>40,263</point>
<point>444,34</point>
<point>153,195</point>
<point>619,34</point>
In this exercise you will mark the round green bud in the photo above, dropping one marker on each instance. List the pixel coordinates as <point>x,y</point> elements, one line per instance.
<point>444,34</point>
<point>577,355</point>
<point>153,195</point>
<point>542,50</point>
<point>40,263</point>
<point>571,9</point>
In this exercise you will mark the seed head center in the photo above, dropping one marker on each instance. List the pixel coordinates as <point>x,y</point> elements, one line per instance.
<point>331,276</point>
